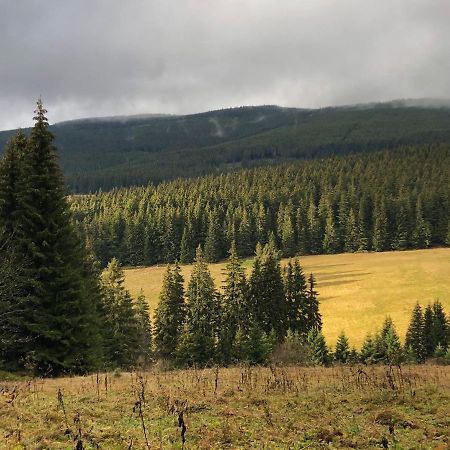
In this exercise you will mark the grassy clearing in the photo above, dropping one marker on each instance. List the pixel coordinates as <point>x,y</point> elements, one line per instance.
<point>357,291</point>
<point>271,408</point>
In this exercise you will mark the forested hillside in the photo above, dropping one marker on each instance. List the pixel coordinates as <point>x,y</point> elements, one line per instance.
<point>391,199</point>
<point>128,151</point>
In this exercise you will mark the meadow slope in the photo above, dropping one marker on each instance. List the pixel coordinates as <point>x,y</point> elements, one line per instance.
<point>357,290</point>
<point>235,408</point>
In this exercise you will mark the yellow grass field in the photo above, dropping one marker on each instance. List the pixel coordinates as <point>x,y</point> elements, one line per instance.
<point>357,291</point>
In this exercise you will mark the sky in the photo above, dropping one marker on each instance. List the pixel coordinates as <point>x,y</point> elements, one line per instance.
<point>90,58</point>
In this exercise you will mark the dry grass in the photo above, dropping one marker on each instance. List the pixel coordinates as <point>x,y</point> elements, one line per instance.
<point>357,291</point>
<point>271,408</point>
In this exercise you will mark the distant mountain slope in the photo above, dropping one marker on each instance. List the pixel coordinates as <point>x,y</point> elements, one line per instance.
<point>122,151</point>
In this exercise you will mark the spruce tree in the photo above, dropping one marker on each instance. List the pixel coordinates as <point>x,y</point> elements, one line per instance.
<point>296,298</point>
<point>314,320</point>
<point>428,335</point>
<point>319,352</point>
<point>266,291</point>
<point>58,309</point>
<point>314,232</point>
<point>302,233</point>
<point>119,320</point>
<point>342,351</point>
<point>422,230</point>
<point>11,333</point>
<point>351,233</point>
<point>144,330</point>
<point>368,350</point>
<point>287,235</point>
<point>11,261</point>
<point>252,345</point>
<point>401,240</point>
<point>169,240</point>
<point>244,238</point>
<point>363,225</point>
<point>386,344</point>
<point>261,224</point>
<point>441,328</point>
<point>447,237</point>
<point>379,239</point>
<point>187,249</point>
<point>199,337</point>
<point>330,239</point>
<point>212,242</point>
<point>394,352</point>
<point>170,313</point>
<point>414,341</point>
<point>235,311</point>
<point>11,174</point>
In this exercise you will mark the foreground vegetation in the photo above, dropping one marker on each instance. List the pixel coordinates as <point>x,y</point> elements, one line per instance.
<point>356,291</point>
<point>242,407</point>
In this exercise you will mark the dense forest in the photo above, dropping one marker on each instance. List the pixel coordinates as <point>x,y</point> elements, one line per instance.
<point>386,200</point>
<point>59,313</point>
<point>129,151</point>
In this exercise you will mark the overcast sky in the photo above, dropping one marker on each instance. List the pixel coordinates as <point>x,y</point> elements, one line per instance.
<point>113,57</point>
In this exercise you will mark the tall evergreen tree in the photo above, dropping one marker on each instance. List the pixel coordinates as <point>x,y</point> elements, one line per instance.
<point>58,309</point>
<point>235,311</point>
<point>119,320</point>
<point>314,317</point>
<point>330,238</point>
<point>414,341</point>
<point>170,313</point>
<point>11,304</point>
<point>266,290</point>
<point>380,233</point>
<point>11,174</point>
<point>428,335</point>
<point>244,239</point>
<point>187,249</point>
<point>144,330</point>
<point>363,225</point>
<point>287,235</point>
<point>314,232</point>
<point>351,233</point>
<point>441,326</point>
<point>199,338</point>
<point>212,242</point>
<point>302,232</point>
<point>422,231</point>
<point>296,298</point>
<point>400,239</point>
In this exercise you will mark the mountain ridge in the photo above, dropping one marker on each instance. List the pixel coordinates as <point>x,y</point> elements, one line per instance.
<point>103,153</point>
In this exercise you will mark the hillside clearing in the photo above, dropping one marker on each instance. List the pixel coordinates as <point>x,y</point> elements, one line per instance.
<point>357,290</point>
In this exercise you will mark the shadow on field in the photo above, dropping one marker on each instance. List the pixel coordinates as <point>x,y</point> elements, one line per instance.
<point>337,282</point>
<point>327,266</point>
<point>333,276</point>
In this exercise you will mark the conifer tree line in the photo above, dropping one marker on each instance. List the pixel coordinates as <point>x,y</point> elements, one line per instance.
<point>273,315</point>
<point>428,336</point>
<point>388,200</point>
<point>245,321</point>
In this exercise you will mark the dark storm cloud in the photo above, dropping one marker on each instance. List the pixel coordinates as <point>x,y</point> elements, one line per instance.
<point>107,57</point>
